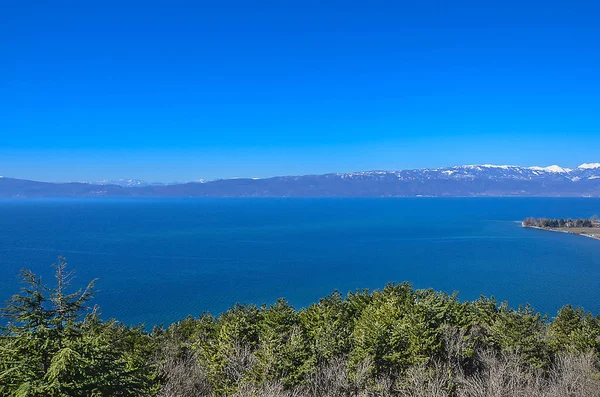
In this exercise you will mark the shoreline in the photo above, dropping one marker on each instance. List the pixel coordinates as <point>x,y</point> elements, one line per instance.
<point>595,236</point>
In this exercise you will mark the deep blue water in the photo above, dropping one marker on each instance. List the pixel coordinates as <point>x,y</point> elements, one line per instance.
<point>159,260</point>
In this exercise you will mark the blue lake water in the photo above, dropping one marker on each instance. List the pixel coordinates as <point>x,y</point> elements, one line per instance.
<point>158,260</point>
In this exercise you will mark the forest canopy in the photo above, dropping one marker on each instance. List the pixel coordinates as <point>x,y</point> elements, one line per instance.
<point>396,341</point>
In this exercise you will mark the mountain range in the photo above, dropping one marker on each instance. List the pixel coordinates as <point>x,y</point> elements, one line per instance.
<point>466,180</point>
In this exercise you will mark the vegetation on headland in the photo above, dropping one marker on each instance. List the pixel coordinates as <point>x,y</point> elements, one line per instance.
<point>397,341</point>
<point>584,227</point>
<point>561,223</point>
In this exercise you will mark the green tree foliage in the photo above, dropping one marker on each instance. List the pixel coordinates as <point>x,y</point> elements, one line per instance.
<point>521,331</point>
<point>50,348</point>
<point>327,325</point>
<point>575,331</point>
<point>283,350</point>
<point>54,345</point>
<point>388,331</point>
<point>402,327</point>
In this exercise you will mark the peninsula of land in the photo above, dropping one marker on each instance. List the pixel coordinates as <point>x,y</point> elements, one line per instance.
<point>583,227</point>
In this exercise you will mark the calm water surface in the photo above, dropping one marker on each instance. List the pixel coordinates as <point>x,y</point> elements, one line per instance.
<point>158,260</point>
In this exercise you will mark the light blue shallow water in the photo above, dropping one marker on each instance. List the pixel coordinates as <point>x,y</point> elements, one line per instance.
<point>159,260</point>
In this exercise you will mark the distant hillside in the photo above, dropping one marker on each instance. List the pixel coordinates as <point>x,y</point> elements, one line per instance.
<point>467,180</point>
<point>10,187</point>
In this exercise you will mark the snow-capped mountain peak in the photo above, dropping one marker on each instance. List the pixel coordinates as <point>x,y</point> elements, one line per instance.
<point>121,182</point>
<point>480,166</point>
<point>551,168</point>
<point>588,166</point>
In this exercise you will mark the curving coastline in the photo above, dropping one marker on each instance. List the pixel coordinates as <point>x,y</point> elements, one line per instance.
<point>581,227</point>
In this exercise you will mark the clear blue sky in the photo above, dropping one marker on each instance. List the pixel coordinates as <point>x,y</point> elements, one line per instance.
<point>175,90</point>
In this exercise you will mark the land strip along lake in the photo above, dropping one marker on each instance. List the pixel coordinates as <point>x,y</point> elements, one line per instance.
<point>158,260</point>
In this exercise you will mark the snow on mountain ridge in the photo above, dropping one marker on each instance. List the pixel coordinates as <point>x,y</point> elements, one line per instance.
<point>588,166</point>
<point>479,168</point>
<point>551,168</point>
